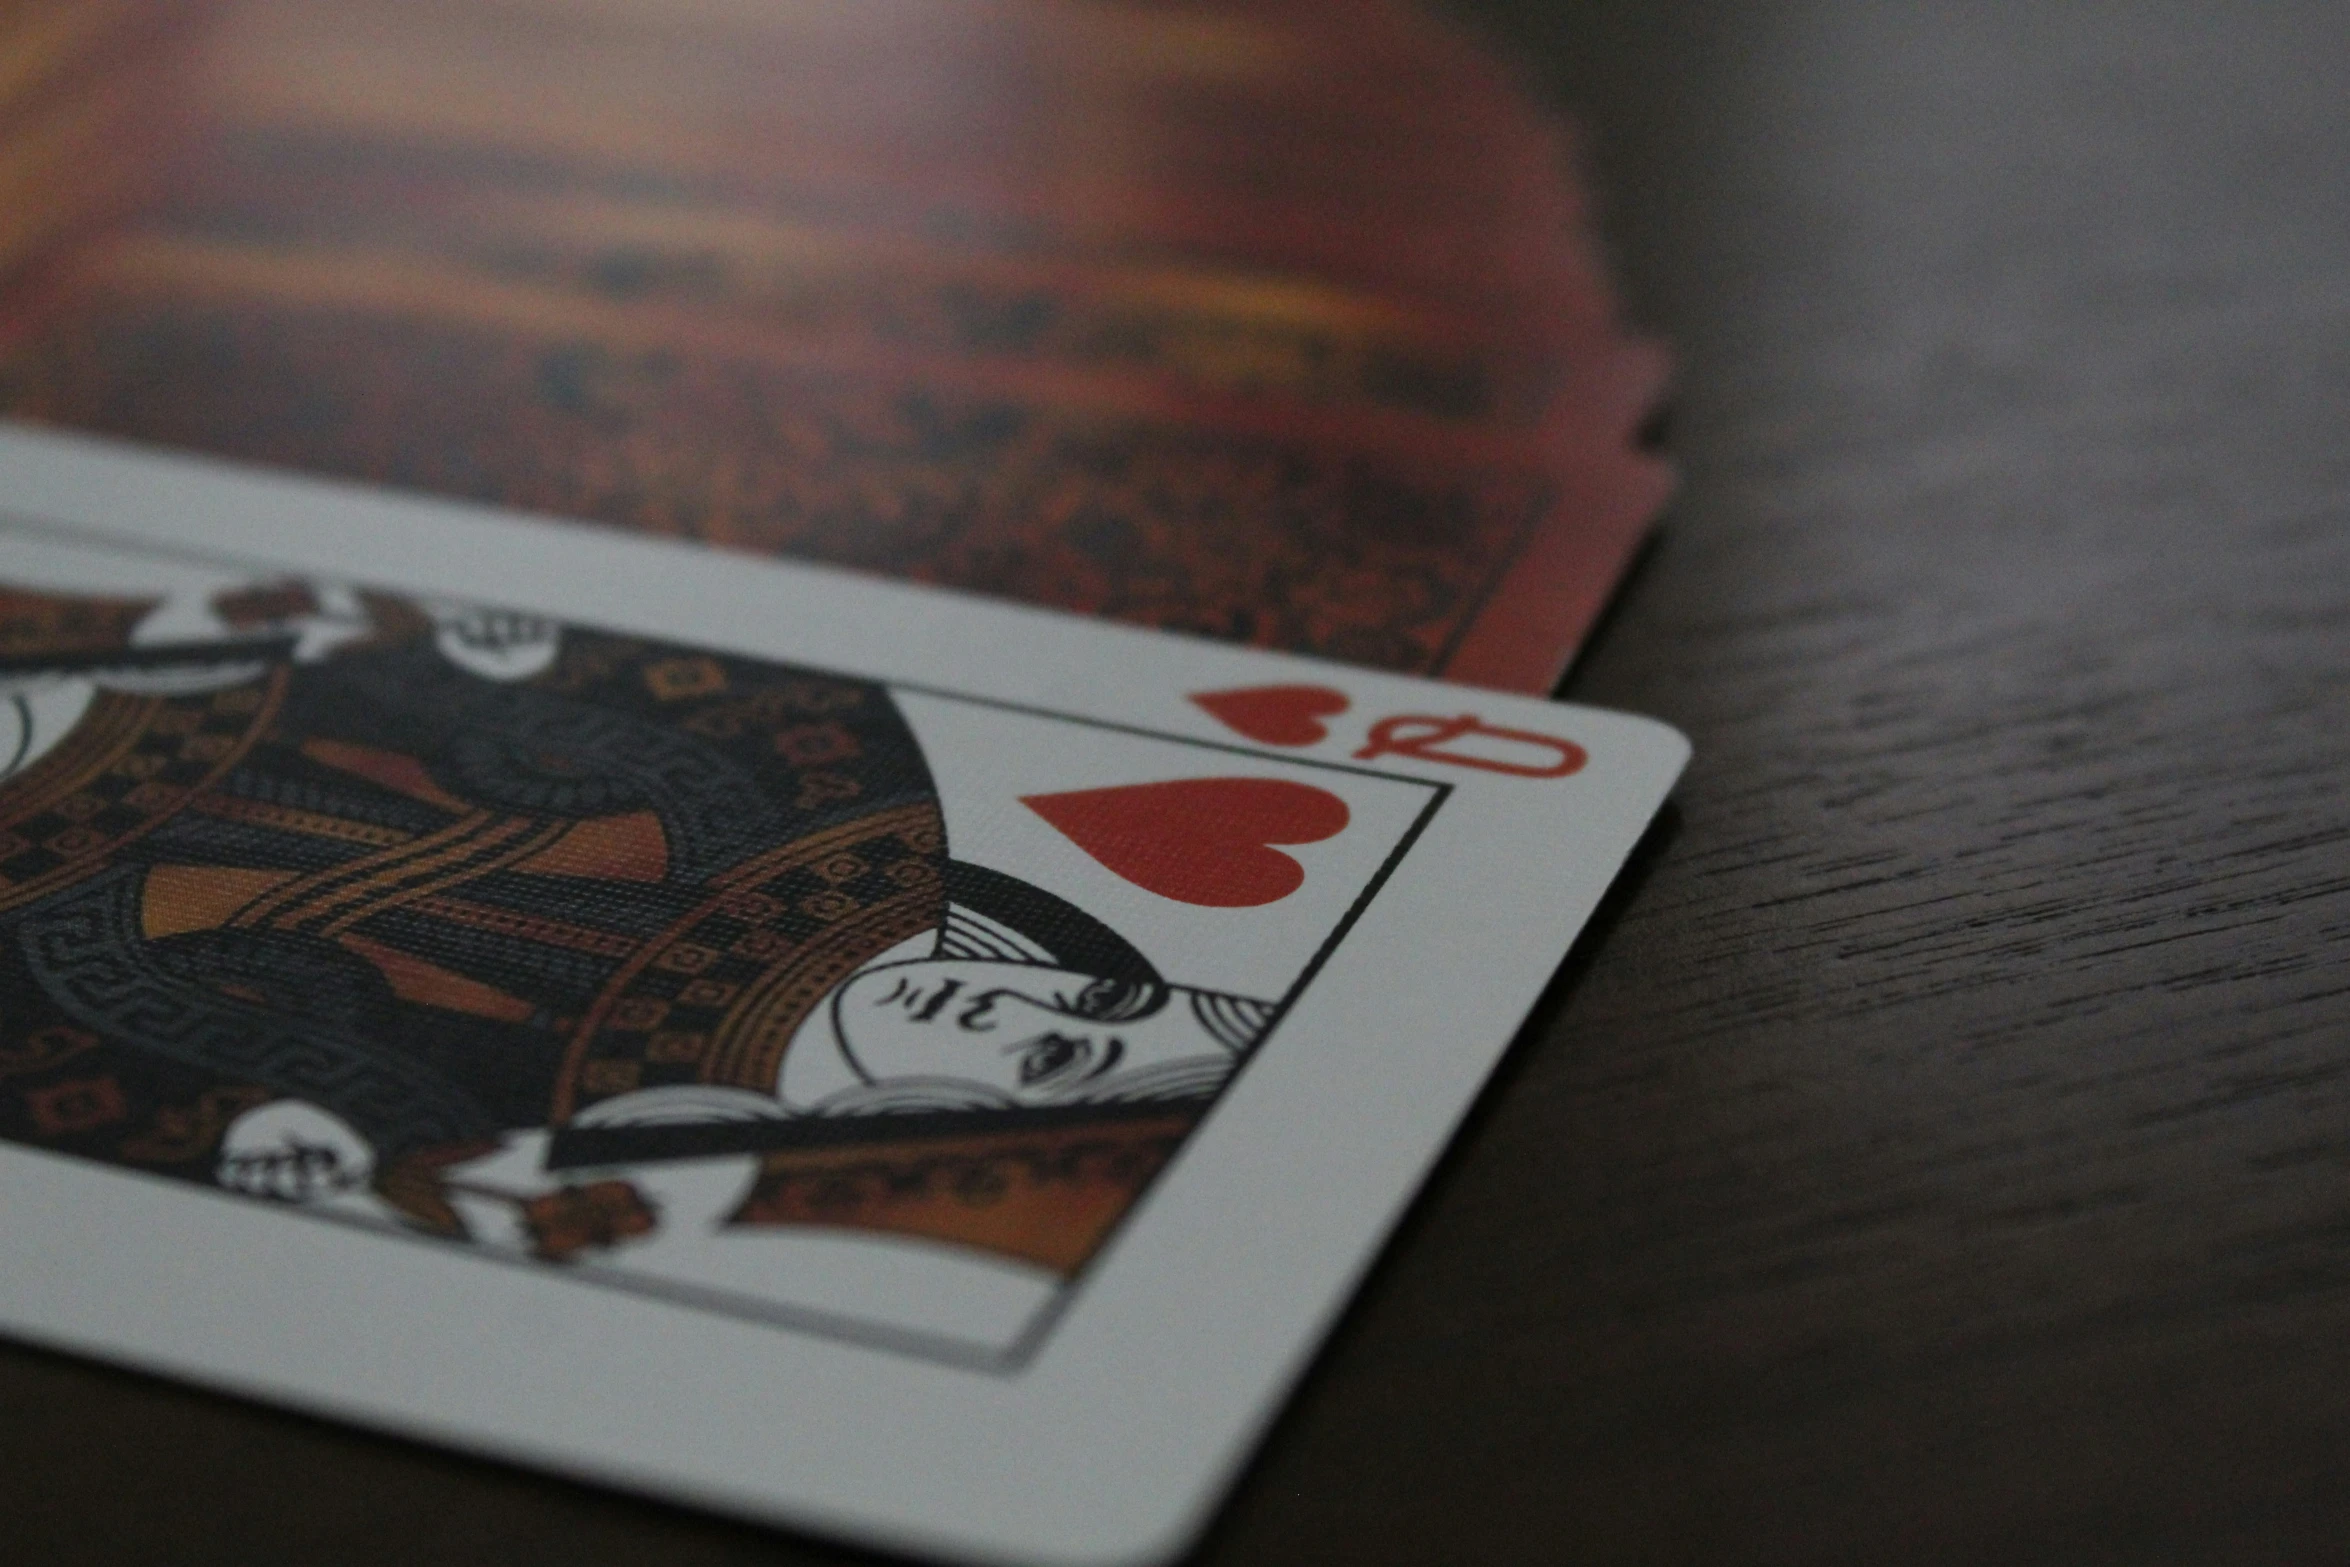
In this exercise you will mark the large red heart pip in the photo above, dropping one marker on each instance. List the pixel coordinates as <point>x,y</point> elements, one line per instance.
<point>1276,715</point>
<point>1206,841</point>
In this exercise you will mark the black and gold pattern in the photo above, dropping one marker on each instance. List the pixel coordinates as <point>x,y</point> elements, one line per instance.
<point>438,905</point>
<point>126,768</point>
<point>717,997</point>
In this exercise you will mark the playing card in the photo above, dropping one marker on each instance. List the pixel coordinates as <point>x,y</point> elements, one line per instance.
<point>1272,325</point>
<point>878,299</point>
<point>836,1052</point>
<point>1379,540</point>
<point>1104,128</point>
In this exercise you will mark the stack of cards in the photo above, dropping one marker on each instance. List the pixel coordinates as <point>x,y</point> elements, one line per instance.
<point>1275,323</point>
<point>850,1053</point>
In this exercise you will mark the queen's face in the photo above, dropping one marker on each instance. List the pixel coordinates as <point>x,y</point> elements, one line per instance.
<point>1016,1028</point>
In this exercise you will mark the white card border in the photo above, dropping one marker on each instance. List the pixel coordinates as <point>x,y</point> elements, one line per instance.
<point>1114,1442</point>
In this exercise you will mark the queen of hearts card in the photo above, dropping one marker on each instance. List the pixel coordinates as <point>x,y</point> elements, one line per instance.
<point>763,986</point>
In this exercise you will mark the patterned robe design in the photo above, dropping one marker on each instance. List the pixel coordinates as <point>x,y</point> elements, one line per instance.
<point>440,906</point>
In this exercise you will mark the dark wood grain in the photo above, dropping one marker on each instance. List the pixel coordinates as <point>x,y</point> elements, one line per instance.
<point>1941,1153</point>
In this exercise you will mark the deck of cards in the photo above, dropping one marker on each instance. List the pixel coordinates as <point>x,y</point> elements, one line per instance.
<point>849,1053</point>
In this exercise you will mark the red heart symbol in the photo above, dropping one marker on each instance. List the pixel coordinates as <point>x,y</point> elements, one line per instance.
<point>1199,840</point>
<point>1276,715</point>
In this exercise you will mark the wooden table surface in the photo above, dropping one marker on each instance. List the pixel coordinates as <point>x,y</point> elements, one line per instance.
<point>1941,1150</point>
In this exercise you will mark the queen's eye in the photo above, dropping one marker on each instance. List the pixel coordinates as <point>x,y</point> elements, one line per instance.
<point>1050,1056</point>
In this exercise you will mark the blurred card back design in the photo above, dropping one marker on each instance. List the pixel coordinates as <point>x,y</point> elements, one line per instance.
<point>1284,325</point>
<point>590,1001</point>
